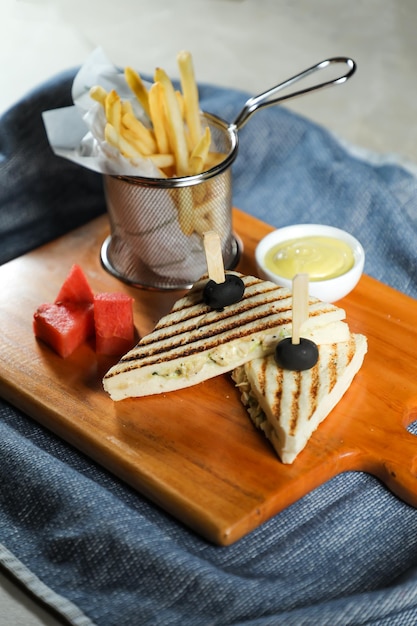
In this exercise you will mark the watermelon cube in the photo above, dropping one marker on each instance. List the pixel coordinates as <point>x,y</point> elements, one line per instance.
<point>75,288</point>
<point>114,325</point>
<point>64,327</point>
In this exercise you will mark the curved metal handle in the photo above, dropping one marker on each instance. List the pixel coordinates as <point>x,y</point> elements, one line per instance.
<point>263,100</point>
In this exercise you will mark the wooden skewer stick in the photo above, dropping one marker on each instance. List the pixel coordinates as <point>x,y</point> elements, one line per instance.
<point>214,257</point>
<point>299,305</point>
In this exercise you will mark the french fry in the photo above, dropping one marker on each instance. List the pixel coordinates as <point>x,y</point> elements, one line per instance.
<point>200,193</point>
<point>213,159</point>
<point>158,117</point>
<point>136,85</point>
<point>113,109</point>
<point>199,154</point>
<point>190,94</point>
<point>175,126</point>
<point>136,127</point>
<point>135,142</point>
<point>207,216</point>
<point>131,149</point>
<point>181,104</point>
<point>202,219</point>
<point>98,94</point>
<point>168,172</point>
<point>162,161</point>
<point>113,138</point>
<point>184,202</point>
<point>127,108</point>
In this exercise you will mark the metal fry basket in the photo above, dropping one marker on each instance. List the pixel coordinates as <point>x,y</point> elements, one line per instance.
<point>157,224</point>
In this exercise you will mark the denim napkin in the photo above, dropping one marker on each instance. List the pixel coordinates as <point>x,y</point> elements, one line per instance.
<point>97,551</point>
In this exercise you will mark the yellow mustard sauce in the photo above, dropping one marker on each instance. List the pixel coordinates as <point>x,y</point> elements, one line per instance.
<point>318,256</point>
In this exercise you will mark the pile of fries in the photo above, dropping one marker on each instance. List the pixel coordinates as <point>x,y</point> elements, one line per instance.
<point>175,139</point>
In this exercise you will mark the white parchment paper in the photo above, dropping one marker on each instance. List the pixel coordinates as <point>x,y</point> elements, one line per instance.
<point>77,132</point>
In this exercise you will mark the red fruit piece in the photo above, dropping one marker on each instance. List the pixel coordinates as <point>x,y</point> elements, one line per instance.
<point>113,320</point>
<point>64,327</point>
<point>75,288</point>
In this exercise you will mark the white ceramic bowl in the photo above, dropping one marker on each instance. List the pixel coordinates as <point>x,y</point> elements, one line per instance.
<point>328,290</point>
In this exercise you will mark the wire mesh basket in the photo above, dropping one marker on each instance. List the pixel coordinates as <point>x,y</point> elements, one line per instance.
<point>157,224</point>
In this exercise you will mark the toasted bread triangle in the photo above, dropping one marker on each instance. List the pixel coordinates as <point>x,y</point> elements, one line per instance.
<point>288,406</point>
<point>193,343</point>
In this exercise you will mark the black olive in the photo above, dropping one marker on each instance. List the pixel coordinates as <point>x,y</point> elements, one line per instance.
<point>219,295</point>
<point>296,356</point>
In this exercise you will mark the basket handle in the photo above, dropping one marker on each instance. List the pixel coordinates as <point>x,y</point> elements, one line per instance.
<point>264,99</point>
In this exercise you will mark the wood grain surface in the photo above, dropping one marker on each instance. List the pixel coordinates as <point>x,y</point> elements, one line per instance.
<point>195,452</point>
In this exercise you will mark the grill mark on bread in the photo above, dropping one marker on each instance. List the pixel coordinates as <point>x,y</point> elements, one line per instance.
<point>295,404</point>
<point>351,350</point>
<point>314,388</point>
<point>332,366</point>
<point>276,404</point>
<point>262,377</point>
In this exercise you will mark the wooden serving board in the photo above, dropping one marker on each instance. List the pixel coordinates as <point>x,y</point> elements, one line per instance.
<point>195,452</point>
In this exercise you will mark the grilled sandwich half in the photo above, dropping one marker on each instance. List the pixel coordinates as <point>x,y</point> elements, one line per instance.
<point>194,343</point>
<point>288,406</point>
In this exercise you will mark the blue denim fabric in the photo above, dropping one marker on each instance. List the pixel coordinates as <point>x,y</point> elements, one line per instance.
<point>98,551</point>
